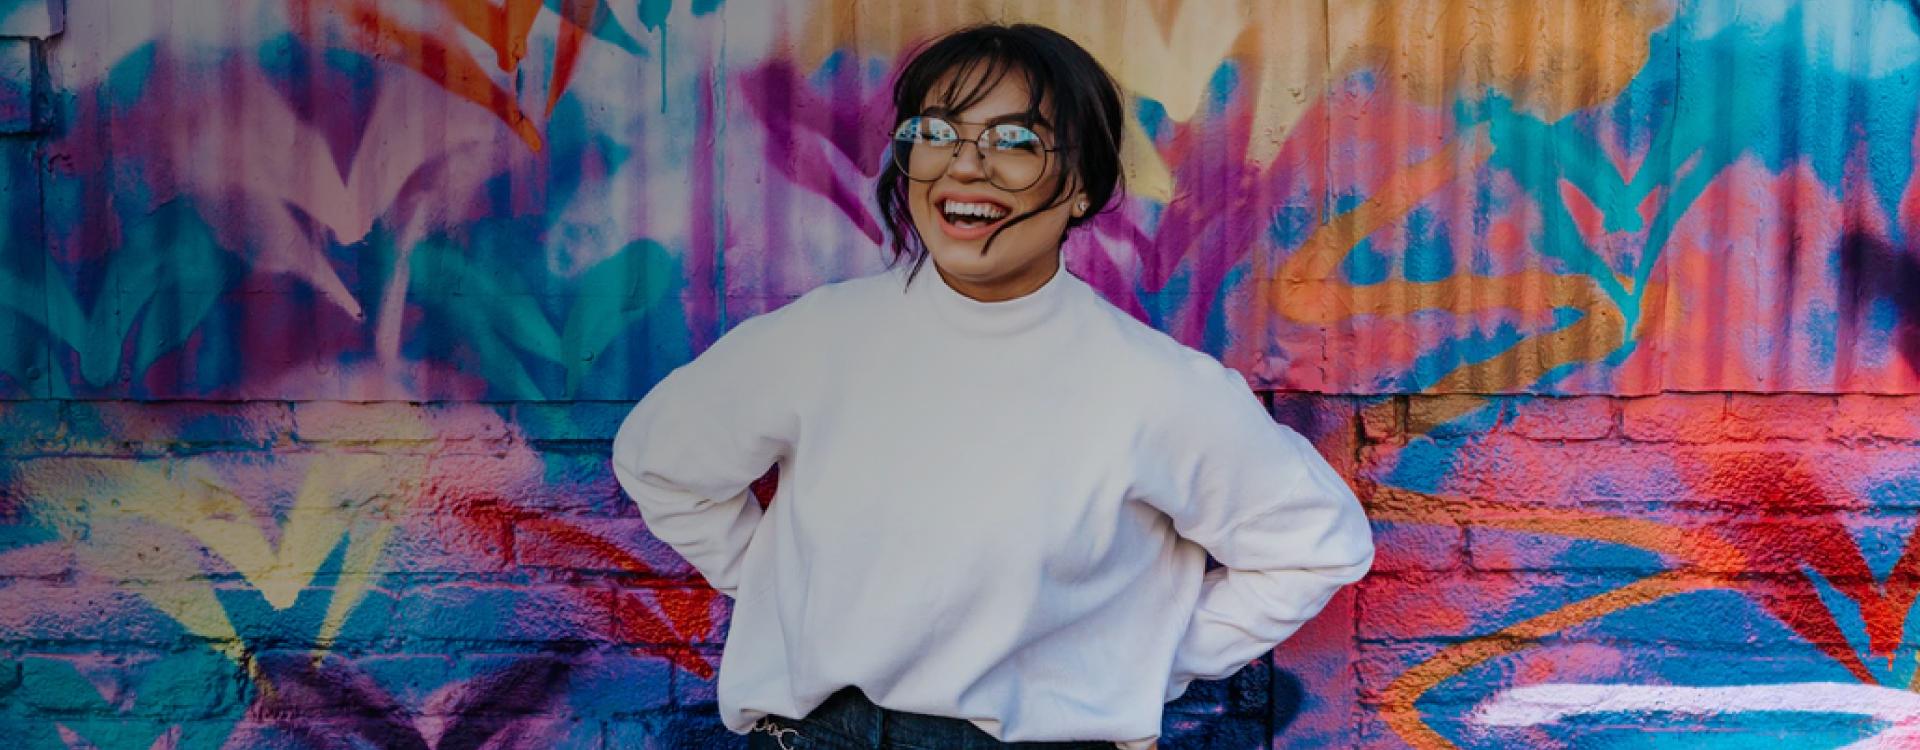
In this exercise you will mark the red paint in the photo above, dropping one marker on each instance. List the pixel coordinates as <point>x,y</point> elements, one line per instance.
<point>1807,529</point>
<point>1586,216</point>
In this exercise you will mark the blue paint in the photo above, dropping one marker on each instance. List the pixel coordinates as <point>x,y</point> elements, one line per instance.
<point>1427,463</point>
<point>1152,116</point>
<point>153,689</point>
<point>1364,265</point>
<point>1221,87</point>
<point>653,14</point>
<point>492,306</point>
<point>1214,334</point>
<point>1429,254</point>
<point>1162,304</point>
<point>1291,225</point>
<point>573,142</point>
<point>1853,626</point>
<point>1471,347</point>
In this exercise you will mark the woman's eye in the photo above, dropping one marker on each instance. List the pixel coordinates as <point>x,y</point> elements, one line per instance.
<point>1010,138</point>
<point>925,130</point>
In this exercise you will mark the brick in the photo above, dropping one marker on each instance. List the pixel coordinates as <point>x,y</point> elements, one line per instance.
<point>690,690</point>
<point>31,427</point>
<point>1581,661</point>
<point>34,611</point>
<point>576,484</point>
<point>595,421</point>
<point>411,679</point>
<point>468,540</point>
<point>1783,416</point>
<point>336,421</point>
<point>600,545</point>
<point>505,614</point>
<point>1572,418</point>
<point>1491,548</point>
<point>679,728</point>
<point>668,615</point>
<point>1377,665</point>
<point>189,684</point>
<point>1409,547</point>
<point>514,684</point>
<point>175,424</point>
<point>55,685</point>
<point>611,684</point>
<point>262,624</point>
<point>1450,415</point>
<point>1468,605</point>
<point>1212,732</point>
<point>1860,416</point>
<point>482,423</point>
<point>47,559</point>
<point>1328,422</point>
<point>1675,417</point>
<point>1385,420</point>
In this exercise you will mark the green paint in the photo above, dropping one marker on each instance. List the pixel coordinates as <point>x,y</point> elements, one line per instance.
<point>156,290</point>
<point>514,331</point>
<point>653,13</point>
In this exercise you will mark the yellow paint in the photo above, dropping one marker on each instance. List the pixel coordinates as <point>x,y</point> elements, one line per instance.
<point>1165,51</point>
<point>1549,58</point>
<point>143,523</point>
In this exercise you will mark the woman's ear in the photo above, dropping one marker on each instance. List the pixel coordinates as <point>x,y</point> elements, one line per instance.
<point>1080,205</point>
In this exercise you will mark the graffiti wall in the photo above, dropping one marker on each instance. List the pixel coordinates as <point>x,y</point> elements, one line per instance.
<point>317,317</point>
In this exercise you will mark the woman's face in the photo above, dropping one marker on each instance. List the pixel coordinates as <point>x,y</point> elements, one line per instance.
<point>947,211</point>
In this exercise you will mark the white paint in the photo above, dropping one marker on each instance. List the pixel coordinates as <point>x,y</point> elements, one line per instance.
<point>1533,705</point>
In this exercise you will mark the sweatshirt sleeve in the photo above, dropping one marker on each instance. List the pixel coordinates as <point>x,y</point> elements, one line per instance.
<point>689,450</point>
<point>1258,497</point>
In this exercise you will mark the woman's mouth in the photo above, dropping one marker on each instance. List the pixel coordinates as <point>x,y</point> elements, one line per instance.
<point>969,219</point>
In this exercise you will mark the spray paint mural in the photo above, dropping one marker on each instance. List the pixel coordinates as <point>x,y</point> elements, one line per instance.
<point>316,317</point>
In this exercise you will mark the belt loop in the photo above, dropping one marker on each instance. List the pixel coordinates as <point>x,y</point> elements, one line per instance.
<point>878,737</point>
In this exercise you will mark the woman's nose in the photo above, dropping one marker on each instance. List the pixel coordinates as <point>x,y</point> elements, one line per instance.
<point>968,162</point>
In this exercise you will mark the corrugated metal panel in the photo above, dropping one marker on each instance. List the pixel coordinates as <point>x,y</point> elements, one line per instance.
<point>517,200</point>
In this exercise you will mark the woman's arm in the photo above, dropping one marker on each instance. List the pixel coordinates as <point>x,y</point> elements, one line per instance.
<point>688,451</point>
<point>1261,500</point>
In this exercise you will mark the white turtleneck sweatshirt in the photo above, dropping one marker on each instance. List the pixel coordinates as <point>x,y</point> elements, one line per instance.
<point>996,511</point>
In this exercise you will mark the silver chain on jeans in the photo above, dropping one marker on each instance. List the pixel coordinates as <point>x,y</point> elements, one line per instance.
<point>779,732</point>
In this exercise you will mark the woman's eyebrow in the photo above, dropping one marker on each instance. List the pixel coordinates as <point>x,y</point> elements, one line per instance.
<point>1024,118</point>
<point>1028,118</point>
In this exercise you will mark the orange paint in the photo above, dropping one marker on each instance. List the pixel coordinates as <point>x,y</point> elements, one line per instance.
<point>1398,710</point>
<point>445,64</point>
<point>1551,58</point>
<point>504,28</point>
<point>1306,290</point>
<point>578,15</point>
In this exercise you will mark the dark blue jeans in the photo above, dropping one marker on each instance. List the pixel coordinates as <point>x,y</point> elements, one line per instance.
<point>848,720</point>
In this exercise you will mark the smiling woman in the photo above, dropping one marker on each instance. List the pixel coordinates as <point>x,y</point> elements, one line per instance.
<point>992,481</point>
<point>1045,121</point>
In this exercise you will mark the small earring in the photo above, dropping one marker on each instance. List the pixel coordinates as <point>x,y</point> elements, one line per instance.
<point>1082,208</point>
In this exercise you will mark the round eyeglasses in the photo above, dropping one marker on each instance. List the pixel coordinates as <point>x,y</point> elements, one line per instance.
<point>1012,155</point>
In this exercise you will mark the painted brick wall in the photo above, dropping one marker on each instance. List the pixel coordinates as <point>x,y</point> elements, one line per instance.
<point>317,317</point>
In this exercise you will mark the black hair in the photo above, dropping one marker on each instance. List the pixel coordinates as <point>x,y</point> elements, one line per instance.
<point>1081,101</point>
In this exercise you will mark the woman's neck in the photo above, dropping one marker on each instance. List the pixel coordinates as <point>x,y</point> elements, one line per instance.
<point>1012,285</point>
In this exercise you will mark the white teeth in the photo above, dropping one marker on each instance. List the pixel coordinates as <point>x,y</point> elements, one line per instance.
<point>983,210</point>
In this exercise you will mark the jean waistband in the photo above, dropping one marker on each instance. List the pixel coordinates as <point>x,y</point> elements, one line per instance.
<point>851,713</point>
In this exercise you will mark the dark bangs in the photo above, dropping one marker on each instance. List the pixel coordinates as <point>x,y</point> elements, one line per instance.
<point>1068,91</point>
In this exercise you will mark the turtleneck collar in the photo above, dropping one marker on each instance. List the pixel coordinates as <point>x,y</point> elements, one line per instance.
<point>1001,318</point>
